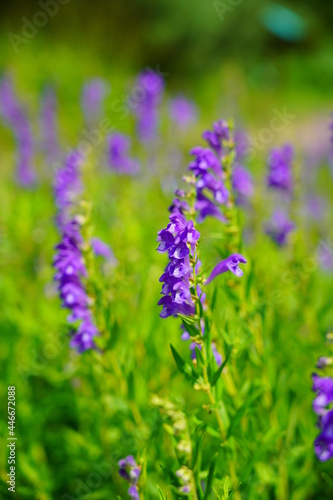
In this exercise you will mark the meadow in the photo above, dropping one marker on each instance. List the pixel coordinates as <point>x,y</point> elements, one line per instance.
<point>215,398</point>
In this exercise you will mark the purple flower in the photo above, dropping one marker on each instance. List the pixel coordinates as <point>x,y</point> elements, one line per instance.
<point>241,145</point>
<point>50,143</point>
<point>242,184</point>
<point>130,471</point>
<point>93,94</point>
<point>231,263</point>
<point>279,227</point>
<point>183,112</point>
<point>118,150</point>
<point>215,137</point>
<point>280,168</point>
<point>15,115</point>
<point>68,260</point>
<point>210,189</point>
<point>102,249</point>
<point>323,386</point>
<point>83,339</point>
<point>322,406</point>
<point>145,103</point>
<point>179,240</point>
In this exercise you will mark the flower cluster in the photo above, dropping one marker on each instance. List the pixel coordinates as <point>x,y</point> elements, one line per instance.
<point>151,87</point>
<point>210,189</point>
<point>280,168</point>
<point>322,406</point>
<point>118,155</point>
<point>179,239</point>
<point>15,115</point>
<point>50,142</point>
<point>68,261</point>
<point>130,471</point>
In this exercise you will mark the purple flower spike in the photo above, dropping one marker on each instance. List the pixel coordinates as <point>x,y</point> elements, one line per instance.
<point>179,239</point>
<point>145,102</point>
<point>231,263</point>
<point>15,114</point>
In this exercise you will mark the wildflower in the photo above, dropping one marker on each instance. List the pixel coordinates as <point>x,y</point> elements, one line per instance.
<point>280,168</point>
<point>151,87</point>
<point>118,150</point>
<point>210,189</point>
<point>322,406</point>
<point>130,471</point>
<point>231,263</point>
<point>68,261</point>
<point>215,137</point>
<point>279,227</point>
<point>179,240</point>
<point>183,112</point>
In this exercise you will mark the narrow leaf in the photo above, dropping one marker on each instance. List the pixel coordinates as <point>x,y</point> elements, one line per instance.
<point>218,372</point>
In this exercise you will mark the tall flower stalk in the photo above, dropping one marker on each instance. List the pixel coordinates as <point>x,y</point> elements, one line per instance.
<point>184,279</point>
<point>69,262</point>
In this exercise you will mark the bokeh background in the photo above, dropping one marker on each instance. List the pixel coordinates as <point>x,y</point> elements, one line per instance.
<point>236,60</point>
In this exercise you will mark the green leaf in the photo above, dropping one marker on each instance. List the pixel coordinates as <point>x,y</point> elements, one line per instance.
<point>197,445</point>
<point>198,355</point>
<point>191,328</point>
<point>131,387</point>
<point>210,478</point>
<point>218,372</point>
<point>179,360</point>
<point>183,367</point>
<point>241,411</point>
<point>161,494</point>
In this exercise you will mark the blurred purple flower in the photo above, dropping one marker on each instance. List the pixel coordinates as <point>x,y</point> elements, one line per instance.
<point>102,249</point>
<point>130,471</point>
<point>231,263</point>
<point>242,184</point>
<point>322,406</point>
<point>93,94</point>
<point>183,112</point>
<point>280,168</point>
<point>15,115</point>
<point>118,154</point>
<point>68,260</point>
<point>279,227</point>
<point>145,107</point>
